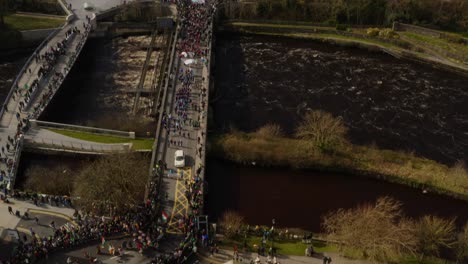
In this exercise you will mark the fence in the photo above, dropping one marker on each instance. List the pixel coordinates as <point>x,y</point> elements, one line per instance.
<point>92,130</point>
<point>159,126</point>
<point>77,146</point>
<point>14,167</point>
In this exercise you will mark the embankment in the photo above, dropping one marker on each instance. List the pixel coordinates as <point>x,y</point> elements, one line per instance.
<point>395,47</point>
<point>392,166</point>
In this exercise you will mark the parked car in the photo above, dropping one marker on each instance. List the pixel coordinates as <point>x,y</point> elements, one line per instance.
<point>179,159</point>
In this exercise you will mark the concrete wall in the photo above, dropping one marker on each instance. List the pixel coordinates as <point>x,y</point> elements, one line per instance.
<point>37,34</point>
<point>93,130</point>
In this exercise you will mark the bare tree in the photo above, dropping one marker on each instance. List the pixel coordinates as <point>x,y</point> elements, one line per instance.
<point>54,181</point>
<point>322,129</point>
<point>112,183</point>
<point>461,246</point>
<point>379,231</point>
<point>231,222</point>
<point>269,131</point>
<point>433,234</point>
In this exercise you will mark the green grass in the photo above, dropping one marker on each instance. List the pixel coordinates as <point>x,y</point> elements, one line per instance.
<point>24,22</point>
<point>283,247</point>
<point>138,144</point>
<point>256,28</point>
<point>393,166</point>
<point>441,43</point>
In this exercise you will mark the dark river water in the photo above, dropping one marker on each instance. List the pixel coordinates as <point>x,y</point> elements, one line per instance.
<point>89,95</point>
<point>300,198</point>
<point>9,68</point>
<point>394,103</point>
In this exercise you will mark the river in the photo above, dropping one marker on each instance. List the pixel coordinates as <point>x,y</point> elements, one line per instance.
<point>296,198</point>
<point>94,93</point>
<point>393,103</point>
<point>10,65</point>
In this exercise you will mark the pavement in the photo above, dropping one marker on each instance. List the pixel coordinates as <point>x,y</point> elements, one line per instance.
<point>176,203</point>
<point>13,228</point>
<point>224,256</point>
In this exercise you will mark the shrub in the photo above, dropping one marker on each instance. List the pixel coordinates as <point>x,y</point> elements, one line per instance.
<point>434,234</point>
<point>330,22</point>
<point>378,231</point>
<point>452,38</point>
<point>269,131</point>
<point>373,32</point>
<point>388,34</point>
<point>341,27</point>
<point>322,129</point>
<point>231,222</point>
<point>461,247</point>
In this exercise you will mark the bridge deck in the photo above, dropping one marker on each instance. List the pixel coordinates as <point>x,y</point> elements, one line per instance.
<point>21,105</point>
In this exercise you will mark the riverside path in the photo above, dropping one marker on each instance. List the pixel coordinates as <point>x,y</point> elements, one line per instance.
<point>39,80</point>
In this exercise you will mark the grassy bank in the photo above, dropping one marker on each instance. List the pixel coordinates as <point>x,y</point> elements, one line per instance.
<point>138,143</point>
<point>409,45</point>
<point>389,165</point>
<point>283,246</point>
<point>30,22</point>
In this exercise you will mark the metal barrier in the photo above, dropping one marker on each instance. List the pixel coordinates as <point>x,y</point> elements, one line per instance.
<point>40,106</point>
<point>14,167</point>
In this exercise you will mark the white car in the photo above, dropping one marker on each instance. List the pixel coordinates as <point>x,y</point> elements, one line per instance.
<point>179,160</point>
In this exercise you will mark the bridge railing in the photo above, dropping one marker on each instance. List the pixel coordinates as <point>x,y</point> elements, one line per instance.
<point>12,171</point>
<point>25,67</point>
<point>28,62</point>
<point>92,130</point>
<point>78,146</point>
<point>41,105</point>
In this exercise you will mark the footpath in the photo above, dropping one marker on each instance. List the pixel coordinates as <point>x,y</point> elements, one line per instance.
<point>13,228</point>
<point>224,256</point>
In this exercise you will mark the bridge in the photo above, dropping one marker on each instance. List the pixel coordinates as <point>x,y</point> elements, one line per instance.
<point>37,83</point>
<point>33,90</point>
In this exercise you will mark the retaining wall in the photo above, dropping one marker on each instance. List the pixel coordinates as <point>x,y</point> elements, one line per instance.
<point>93,130</point>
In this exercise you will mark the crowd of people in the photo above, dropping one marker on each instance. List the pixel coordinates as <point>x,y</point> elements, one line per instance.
<point>47,62</point>
<point>143,223</point>
<point>57,78</point>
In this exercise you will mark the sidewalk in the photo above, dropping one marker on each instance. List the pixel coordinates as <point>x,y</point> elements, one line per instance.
<point>226,255</point>
<point>11,221</point>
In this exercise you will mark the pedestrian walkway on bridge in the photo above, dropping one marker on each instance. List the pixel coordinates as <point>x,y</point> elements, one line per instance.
<point>39,80</point>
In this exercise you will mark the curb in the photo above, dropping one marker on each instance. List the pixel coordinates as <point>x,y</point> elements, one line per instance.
<point>26,231</point>
<point>38,211</point>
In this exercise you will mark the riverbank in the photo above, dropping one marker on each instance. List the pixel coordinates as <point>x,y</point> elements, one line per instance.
<point>407,46</point>
<point>392,166</point>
